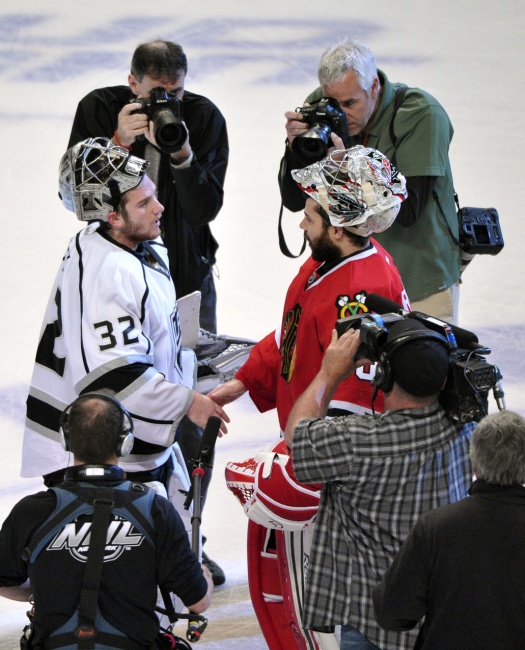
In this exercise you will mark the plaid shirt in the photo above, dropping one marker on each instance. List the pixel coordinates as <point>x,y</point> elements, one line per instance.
<point>380,473</point>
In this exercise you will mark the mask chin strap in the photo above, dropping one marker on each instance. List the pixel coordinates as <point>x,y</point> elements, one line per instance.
<point>322,195</point>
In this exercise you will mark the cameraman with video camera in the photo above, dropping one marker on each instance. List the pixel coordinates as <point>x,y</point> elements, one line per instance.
<point>92,549</point>
<point>412,129</point>
<point>379,473</point>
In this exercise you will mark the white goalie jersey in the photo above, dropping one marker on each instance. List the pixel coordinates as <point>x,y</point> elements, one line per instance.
<point>111,322</point>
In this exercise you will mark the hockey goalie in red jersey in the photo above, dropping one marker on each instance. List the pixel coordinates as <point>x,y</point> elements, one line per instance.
<point>350,195</point>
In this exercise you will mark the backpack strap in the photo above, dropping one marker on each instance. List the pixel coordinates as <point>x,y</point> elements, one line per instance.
<point>86,631</point>
<point>68,507</point>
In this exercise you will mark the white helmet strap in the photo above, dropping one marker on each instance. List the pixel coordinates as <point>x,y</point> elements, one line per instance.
<point>368,194</point>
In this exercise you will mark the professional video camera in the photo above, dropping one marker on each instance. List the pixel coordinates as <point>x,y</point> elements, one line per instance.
<point>470,377</point>
<point>163,109</point>
<point>322,117</point>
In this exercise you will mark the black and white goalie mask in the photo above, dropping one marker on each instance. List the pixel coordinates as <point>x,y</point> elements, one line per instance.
<point>94,174</point>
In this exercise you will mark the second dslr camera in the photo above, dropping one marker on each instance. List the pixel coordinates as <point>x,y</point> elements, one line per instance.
<point>163,109</point>
<point>322,117</point>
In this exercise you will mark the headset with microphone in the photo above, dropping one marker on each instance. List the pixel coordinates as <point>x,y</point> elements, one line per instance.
<point>125,440</point>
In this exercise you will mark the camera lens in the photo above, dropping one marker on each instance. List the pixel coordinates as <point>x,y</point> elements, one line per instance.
<point>169,132</point>
<point>313,145</point>
<point>373,335</point>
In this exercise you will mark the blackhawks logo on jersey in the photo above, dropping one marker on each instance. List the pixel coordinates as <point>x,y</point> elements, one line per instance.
<point>347,306</point>
<point>289,341</point>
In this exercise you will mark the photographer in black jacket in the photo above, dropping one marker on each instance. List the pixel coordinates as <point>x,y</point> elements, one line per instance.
<point>189,180</point>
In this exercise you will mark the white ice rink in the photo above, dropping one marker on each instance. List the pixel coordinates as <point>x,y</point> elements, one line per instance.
<point>255,60</point>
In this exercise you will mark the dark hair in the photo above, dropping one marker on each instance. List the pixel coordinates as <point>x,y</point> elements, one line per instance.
<point>498,449</point>
<point>94,427</point>
<point>105,226</point>
<point>122,205</point>
<point>159,60</point>
<point>357,240</point>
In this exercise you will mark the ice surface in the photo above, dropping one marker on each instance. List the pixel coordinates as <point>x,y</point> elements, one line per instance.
<point>255,61</point>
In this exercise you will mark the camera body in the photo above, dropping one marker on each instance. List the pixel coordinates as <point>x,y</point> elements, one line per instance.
<point>322,118</point>
<point>164,110</point>
<point>373,332</point>
<point>480,231</point>
<point>469,377</point>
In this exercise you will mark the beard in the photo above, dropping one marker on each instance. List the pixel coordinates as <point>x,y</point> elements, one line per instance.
<point>323,249</point>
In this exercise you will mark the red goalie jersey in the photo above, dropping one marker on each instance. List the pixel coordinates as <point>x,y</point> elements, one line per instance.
<point>282,365</point>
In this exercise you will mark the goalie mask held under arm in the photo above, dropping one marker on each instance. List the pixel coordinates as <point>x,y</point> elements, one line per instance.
<point>269,492</point>
<point>219,356</point>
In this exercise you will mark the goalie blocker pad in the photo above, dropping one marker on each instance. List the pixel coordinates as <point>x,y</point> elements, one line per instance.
<point>269,492</point>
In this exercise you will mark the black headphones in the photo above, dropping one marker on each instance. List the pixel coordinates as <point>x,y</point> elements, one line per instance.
<point>384,377</point>
<point>125,440</point>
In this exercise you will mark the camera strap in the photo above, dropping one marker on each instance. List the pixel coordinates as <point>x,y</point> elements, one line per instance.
<point>398,100</point>
<point>282,243</point>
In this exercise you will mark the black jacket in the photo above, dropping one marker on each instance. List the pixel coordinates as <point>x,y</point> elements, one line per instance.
<point>461,568</point>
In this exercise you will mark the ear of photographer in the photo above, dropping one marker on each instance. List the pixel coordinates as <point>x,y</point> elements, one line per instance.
<point>461,567</point>
<point>379,472</point>
<point>356,104</point>
<point>92,551</point>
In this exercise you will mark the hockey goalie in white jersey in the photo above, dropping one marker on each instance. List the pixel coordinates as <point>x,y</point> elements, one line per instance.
<point>112,322</point>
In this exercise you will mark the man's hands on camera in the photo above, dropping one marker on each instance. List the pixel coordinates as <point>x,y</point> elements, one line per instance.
<point>339,361</point>
<point>185,155</point>
<point>295,125</point>
<point>178,157</point>
<point>130,125</point>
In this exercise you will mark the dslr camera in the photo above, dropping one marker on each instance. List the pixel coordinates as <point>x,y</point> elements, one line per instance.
<point>469,378</point>
<point>322,117</point>
<point>480,231</point>
<point>163,109</point>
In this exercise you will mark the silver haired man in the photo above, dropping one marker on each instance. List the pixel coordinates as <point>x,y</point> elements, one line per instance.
<point>412,128</point>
